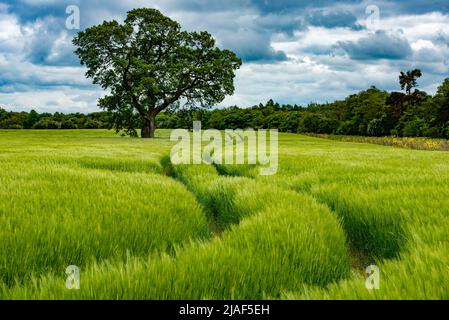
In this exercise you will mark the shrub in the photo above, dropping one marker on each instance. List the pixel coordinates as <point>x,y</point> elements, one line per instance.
<point>92,124</point>
<point>431,132</point>
<point>317,124</point>
<point>446,131</point>
<point>46,123</point>
<point>376,128</point>
<point>348,128</point>
<point>414,128</point>
<point>68,124</point>
<point>15,126</point>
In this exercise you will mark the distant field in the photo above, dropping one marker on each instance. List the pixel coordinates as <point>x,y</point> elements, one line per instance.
<point>418,143</point>
<point>141,228</point>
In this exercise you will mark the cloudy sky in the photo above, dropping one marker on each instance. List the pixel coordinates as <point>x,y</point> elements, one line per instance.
<point>294,51</point>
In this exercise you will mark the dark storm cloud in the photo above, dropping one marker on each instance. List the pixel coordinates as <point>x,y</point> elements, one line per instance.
<point>29,10</point>
<point>250,44</point>
<point>262,54</point>
<point>332,19</point>
<point>287,6</point>
<point>420,6</point>
<point>379,45</point>
<point>282,16</point>
<point>286,24</point>
<point>50,44</point>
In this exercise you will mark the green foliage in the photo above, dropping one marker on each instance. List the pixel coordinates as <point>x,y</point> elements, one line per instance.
<point>148,64</point>
<point>12,120</point>
<point>35,120</point>
<point>376,128</point>
<point>317,123</point>
<point>408,79</point>
<point>46,123</point>
<point>441,100</point>
<point>446,131</point>
<point>69,124</point>
<point>31,120</point>
<point>414,128</point>
<point>92,124</point>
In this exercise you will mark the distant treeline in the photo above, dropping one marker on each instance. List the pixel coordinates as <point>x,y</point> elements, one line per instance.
<point>372,112</point>
<point>369,113</point>
<point>34,120</point>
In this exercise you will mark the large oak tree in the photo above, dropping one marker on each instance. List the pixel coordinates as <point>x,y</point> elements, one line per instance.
<point>148,64</point>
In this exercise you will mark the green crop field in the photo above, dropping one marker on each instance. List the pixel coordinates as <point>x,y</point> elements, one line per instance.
<point>140,227</point>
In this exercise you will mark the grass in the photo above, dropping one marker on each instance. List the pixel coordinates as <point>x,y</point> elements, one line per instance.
<point>227,200</point>
<point>279,249</point>
<point>394,207</point>
<point>409,143</point>
<point>141,228</point>
<point>57,211</point>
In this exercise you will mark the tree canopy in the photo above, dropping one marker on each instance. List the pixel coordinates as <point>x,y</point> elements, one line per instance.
<point>148,64</point>
<point>407,80</point>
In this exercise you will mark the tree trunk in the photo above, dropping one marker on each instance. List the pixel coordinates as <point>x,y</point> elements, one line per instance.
<point>149,127</point>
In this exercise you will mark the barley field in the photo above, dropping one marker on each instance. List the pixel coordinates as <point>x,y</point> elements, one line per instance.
<point>140,227</point>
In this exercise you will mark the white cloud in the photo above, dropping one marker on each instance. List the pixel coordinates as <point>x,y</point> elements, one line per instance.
<point>10,33</point>
<point>64,99</point>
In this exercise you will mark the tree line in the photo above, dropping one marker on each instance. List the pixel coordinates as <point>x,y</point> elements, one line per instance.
<point>35,120</point>
<point>371,112</point>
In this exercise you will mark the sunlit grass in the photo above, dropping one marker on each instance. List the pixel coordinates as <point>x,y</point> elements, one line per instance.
<point>56,211</point>
<point>142,228</point>
<point>394,205</point>
<point>284,247</point>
